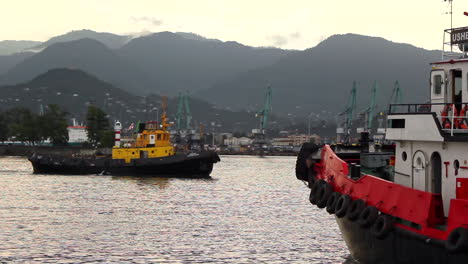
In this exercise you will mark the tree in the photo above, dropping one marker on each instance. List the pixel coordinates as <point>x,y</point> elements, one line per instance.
<point>108,139</point>
<point>97,125</point>
<point>54,125</point>
<point>3,127</point>
<point>24,125</point>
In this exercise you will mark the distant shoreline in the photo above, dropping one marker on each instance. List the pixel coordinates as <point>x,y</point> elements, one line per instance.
<point>26,151</point>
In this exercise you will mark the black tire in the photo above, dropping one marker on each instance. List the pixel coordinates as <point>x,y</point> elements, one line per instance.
<point>368,216</point>
<point>304,173</point>
<point>323,194</point>
<point>342,205</point>
<point>355,209</point>
<point>457,241</point>
<point>315,189</point>
<point>383,226</point>
<point>331,203</point>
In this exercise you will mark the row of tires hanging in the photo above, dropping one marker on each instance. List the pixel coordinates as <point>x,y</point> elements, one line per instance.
<point>323,195</point>
<point>342,205</point>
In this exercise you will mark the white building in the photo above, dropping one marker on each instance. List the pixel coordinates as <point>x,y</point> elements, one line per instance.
<point>77,134</point>
<point>237,142</point>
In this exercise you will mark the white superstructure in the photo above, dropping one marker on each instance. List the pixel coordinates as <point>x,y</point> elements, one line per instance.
<point>432,138</point>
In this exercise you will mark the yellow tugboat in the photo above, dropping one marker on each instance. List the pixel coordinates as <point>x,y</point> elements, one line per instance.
<point>149,154</point>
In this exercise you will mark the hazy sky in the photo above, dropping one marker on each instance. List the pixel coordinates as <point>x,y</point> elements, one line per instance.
<point>293,24</point>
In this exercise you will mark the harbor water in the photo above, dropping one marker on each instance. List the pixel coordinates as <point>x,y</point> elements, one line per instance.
<point>252,210</point>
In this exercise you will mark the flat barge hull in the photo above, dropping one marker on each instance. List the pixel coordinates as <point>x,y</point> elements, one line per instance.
<point>192,165</point>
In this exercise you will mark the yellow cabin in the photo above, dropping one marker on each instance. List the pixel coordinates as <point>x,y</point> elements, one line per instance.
<point>152,141</point>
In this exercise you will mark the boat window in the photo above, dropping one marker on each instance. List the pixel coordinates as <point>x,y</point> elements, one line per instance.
<point>457,82</point>
<point>437,84</point>
<point>159,136</point>
<point>404,156</point>
<point>396,123</point>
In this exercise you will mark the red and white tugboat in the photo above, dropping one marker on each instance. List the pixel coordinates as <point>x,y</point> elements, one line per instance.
<point>410,206</point>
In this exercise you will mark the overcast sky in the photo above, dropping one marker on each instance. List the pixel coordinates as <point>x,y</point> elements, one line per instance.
<point>292,24</point>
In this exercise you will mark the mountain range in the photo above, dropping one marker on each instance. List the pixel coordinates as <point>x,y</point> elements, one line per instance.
<point>321,78</point>
<point>8,47</point>
<point>74,90</point>
<point>234,76</point>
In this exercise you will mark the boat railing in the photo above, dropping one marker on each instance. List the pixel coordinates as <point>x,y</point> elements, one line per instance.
<point>455,44</point>
<point>452,117</point>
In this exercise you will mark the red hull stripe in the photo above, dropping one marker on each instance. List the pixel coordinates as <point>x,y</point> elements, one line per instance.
<point>422,208</point>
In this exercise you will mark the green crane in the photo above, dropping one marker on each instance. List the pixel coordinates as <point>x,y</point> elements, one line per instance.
<point>180,111</point>
<point>265,112</point>
<point>351,106</point>
<point>348,113</point>
<point>188,114</point>
<point>183,115</point>
<point>371,109</point>
<point>397,96</point>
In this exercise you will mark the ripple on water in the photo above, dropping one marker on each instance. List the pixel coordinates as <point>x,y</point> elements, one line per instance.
<point>251,211</point>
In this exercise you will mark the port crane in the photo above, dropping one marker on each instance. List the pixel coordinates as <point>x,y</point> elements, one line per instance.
<point>397,96</point>
<point>263,114</point>
<point>183,115</point>
<point>369,112</point>
<point>259,141</point>
<point>344,129</point>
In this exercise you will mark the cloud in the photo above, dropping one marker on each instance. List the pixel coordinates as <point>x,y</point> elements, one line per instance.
<point>153,21</point>
<point>281,40</point>
<point>295,35</point>
<point>278,40</point>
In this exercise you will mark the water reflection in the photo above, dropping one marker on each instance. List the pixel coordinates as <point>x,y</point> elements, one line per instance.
<point>158,182</point>
<point>251,211</point>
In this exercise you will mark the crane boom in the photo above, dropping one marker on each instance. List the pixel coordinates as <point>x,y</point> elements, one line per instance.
<point>265,112</point>
<point>370,111</point>
<point>188,114</point>
<point>397,96</point>
<point>179,114</point>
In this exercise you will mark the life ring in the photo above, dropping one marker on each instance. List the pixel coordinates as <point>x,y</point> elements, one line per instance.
<point>331,203</point>
<point>461,120</point>
<point>457,241</point>
<point>342,205</point>
<point>382,226</point>
<point>355,209</point>
<point>314,190</point>
<point>445,121</point>
<point>323,194</point>
<point>304,172</point>
<point>368,216</point>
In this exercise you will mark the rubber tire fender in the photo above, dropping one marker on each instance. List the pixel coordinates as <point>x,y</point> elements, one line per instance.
<point>368,216</point>
<point>355,209</point>
<point>302,171</point>
<point>457,241</point>
<point>323,194</point>
<point>383,226</point>
<point>314,190</point>
<point>331,203</point>
<point>342,205</point>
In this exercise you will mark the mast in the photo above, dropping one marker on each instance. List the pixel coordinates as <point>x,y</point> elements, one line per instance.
<point>370,110</point>
<point>164,123</point>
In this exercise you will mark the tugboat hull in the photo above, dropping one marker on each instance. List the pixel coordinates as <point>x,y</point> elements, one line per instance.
<point>400,246</point>
<point>191,165</point>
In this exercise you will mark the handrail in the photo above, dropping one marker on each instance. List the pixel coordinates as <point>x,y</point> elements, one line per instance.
<point>452,117</point>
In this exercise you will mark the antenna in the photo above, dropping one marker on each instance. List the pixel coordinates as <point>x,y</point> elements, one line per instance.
<point>451,12</point>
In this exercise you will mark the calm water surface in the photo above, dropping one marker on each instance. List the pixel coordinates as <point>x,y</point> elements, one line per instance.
<point>253,210</point>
